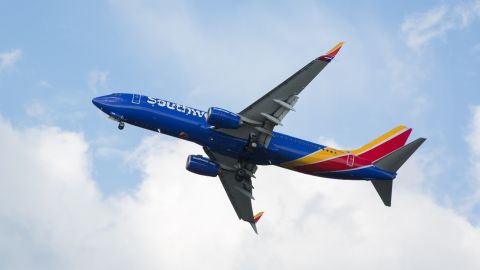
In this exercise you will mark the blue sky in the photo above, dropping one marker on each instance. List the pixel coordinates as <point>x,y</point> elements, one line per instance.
<point>408,62</point>
<point>67,47</point>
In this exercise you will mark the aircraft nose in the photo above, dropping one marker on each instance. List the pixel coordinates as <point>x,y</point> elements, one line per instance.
<point>99,102</point>
<point>107,102</point>
<point>96,102</point>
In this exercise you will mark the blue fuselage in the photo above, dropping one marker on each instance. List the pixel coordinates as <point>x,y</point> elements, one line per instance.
<point>190,124</point>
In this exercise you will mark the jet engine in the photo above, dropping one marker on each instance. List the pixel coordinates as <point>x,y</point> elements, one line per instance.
<point>221,118</point>
<point>202,165</point>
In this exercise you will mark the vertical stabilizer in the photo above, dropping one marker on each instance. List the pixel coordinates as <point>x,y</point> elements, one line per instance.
<point>384,145</point>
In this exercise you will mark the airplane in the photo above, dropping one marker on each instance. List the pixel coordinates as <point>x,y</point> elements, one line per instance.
<point>236,143</point>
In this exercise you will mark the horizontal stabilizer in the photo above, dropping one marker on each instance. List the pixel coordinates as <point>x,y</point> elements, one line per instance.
<point>384,190</point>
<point>393,161</point>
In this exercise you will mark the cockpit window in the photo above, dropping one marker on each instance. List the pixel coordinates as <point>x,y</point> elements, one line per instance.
<point>116,94</point>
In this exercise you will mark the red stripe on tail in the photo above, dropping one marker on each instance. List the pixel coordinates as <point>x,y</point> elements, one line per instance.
<point>386,147</point>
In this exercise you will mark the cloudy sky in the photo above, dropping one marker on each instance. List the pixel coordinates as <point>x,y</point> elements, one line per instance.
<point>76,193</point>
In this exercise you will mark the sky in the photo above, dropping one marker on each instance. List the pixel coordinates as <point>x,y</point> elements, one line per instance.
<point>76,193</point>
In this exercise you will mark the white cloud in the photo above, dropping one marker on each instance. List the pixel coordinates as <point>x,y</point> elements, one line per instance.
<point>52,216</point>
<point>419,29</point>
<point>97,81</point>
<point>8,59</point>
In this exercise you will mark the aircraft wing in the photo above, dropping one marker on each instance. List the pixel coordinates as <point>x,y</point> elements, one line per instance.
<point>238,188</point>
<point>267,112</point>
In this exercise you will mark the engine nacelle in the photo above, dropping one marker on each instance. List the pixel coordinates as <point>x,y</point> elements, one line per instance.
<point>221,118</point>
<point>202,165</point>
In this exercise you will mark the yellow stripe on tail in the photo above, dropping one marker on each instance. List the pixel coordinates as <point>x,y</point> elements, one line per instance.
<point>379,140</point>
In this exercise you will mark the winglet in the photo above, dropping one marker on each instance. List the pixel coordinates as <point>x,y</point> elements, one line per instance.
<point>256,218</point>
<point>331,54</point>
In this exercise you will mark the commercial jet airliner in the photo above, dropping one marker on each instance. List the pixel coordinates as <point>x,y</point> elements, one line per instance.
<point>235,143</point>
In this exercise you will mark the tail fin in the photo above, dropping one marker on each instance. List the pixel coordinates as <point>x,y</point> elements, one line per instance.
<point>391,163</point>
<point>384,145</point>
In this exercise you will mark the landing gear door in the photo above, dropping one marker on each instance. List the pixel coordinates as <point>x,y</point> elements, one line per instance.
<point>350,159</point>
<point>136,99</point>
